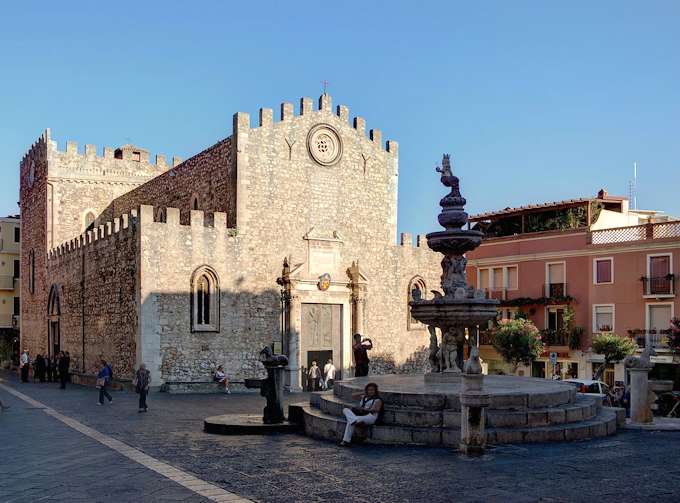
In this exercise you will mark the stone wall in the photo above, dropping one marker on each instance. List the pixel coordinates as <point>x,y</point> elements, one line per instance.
<point>33,202</point>
<point>98,280</point>
<point>208,176</point>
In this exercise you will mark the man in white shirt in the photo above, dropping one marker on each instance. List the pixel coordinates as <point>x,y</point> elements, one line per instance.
<point>24,364</point>
<point>328,374</point>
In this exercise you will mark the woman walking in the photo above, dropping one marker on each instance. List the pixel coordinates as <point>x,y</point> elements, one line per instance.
<point>142,381</point>
<point>103,380</point>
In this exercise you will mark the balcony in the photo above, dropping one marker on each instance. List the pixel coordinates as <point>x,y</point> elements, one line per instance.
<point>645,232</point>
<point>552,337</point>
<point>484,338</point>
<point>658,287</point>
<point>555,290</point>
<point>496,293</point>
<point>655,338</point>
<point>6,282</point>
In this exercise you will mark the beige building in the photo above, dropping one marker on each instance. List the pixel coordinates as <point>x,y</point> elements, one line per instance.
<point>284,233</point>
<point>10,286</point>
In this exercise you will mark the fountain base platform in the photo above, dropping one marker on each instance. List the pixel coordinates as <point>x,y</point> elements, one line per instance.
<point>521,410</point>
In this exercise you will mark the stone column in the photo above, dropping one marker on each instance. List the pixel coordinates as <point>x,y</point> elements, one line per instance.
<point>358,299</point>
<point>473,403</point>
<point>640,411</point>
<point>295,321</point>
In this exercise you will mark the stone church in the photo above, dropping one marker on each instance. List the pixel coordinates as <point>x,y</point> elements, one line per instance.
<point>281,234</point>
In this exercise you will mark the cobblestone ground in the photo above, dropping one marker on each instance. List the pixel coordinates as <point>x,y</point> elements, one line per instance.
<point>40,456</point>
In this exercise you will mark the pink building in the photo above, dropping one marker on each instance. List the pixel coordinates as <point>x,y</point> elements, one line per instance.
<point>578,268</point>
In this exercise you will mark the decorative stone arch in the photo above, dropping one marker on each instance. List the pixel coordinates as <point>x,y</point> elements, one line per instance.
<point>416,283</point>
<point>205,300</point>
<point>89,220</point>
<point>54,301</point>
<point>194,202</point>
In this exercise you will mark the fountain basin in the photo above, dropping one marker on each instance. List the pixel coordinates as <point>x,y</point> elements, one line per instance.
<point>446,312</point>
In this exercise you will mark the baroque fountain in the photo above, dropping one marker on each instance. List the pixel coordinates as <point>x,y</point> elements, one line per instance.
<point>455,404</point>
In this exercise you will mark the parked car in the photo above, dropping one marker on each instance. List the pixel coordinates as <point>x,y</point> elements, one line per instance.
<point>591,387</point>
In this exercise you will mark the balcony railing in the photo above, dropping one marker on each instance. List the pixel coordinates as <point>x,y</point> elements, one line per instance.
<point>497,293</point>
<point>656,338</point>
<point>551,337</point>
<point>661,230</point>
<point>659,286</point>
<point>6,282</point>
<point>555,289</point>
<point>484,338</point>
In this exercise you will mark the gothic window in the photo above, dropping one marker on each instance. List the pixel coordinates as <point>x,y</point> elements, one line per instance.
<point>416,290</point>
<point>205,300</point>
<point>194,202</point>
<point>31,271</point>
<point>161,215</point>
<point>89,221</point>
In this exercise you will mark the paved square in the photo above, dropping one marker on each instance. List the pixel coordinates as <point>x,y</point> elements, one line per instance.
<point>40,457</point>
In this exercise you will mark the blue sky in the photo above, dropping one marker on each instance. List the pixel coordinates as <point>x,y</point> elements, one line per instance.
<point>535,100</point>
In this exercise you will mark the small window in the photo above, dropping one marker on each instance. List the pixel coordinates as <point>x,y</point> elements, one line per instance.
<point>89,221</point>
<point>205,300</point>
<point>161,215</point>
<point>416,290</point>
<point>136,156</point>
<point>17,234</point>
<point>31,271</point>
<point>603,318</point>
<point>194,202</point>
<point>17,269</point>
<point>603,271</point>
<point>17,306</point>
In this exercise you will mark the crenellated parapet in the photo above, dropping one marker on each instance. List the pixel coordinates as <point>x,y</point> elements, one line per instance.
<point>127,224</point>
<point>324,108</point>
<point>127,162</point>
<point>406,240</point>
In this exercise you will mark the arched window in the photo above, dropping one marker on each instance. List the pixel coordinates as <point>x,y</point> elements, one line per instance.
<point>88,221</point>
<point>161,215</point>
<point>205,300</point>
<point>416,290</point>
<point>31,271</point>
<point>194,202</point>
<point>54,320</point>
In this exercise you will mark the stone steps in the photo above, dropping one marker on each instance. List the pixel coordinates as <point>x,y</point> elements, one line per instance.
<point>583,408</point>
<point>320,424</point>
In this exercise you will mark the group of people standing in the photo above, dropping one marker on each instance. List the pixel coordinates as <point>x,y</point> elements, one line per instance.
<point>318,379</point>
<point>321,379</point>
<point>46,368</point>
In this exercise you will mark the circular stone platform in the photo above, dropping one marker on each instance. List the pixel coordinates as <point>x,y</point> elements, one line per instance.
<point>245,424</point>
<point>504,391</point>
<point>522,409</point>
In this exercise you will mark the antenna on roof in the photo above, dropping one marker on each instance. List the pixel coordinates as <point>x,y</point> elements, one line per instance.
<point>632,187</point>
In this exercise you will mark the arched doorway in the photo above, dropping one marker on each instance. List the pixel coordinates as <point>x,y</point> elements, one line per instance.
<point>53,320</point>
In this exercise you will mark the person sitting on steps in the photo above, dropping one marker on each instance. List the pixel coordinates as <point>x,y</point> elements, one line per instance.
<point>369,411</point>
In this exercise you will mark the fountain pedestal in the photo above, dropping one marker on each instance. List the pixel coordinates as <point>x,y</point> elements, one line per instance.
<point>473,404</point>
<point>640,411</point>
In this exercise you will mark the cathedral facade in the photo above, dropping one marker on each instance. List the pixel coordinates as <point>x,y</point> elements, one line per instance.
<point>283,234</point>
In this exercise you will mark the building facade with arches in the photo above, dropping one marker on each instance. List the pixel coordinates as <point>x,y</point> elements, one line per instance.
<point>284,233</point>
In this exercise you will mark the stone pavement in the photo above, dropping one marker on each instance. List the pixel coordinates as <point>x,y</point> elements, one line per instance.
<point>632,466</point>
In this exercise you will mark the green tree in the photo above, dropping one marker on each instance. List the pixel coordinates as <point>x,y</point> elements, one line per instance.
<point>613,347</point>
<point>517,341</point>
